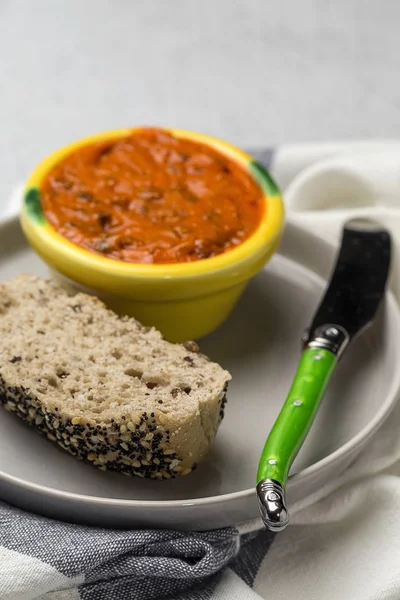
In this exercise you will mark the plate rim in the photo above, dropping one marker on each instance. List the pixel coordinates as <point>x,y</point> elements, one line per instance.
<point>346,449</point>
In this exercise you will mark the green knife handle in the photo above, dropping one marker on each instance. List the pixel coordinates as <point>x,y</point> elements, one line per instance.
<point>290,429</point>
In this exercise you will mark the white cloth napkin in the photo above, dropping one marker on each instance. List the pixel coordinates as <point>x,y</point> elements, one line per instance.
<point>344,540</point>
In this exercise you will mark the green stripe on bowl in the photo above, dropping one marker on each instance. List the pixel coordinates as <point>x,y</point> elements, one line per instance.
<point>263,178</point>
<point>32,205</point>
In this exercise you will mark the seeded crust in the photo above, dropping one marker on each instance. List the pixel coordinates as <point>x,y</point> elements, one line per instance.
<point>105,388</point>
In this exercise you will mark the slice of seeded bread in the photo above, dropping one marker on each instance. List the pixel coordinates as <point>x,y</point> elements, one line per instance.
<point>105,388</point>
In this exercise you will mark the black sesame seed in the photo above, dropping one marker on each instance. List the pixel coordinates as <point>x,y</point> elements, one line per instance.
<point>151,385</point>
<point>15,359</point>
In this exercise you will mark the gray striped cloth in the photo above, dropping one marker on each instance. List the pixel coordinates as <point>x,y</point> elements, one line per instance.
<point>50,560</point>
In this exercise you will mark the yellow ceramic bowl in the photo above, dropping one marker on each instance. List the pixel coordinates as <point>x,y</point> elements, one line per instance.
<point>184,300</point>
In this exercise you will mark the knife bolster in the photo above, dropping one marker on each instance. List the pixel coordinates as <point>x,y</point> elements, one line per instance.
<point>327,337</point>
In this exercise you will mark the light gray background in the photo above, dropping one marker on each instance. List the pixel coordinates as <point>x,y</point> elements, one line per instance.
<point>254,72</point>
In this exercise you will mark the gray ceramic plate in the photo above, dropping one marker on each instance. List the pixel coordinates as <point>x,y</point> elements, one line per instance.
<point>260,345</point>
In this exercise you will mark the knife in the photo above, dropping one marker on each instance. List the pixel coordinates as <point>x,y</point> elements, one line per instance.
<point>348,307</point>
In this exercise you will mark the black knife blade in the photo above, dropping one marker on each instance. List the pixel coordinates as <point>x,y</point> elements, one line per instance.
<point>358,281</point>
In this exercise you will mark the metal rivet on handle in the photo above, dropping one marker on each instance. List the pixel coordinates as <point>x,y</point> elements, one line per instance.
<point>332,332</point>
<point>272,496</point>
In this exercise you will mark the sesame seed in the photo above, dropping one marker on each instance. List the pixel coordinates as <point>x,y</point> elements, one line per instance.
<point>76,420</point>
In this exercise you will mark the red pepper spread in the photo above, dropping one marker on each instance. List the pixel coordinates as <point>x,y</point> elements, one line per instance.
<point>151,197</point>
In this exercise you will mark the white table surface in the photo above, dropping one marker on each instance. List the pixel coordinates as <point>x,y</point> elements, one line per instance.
<point>252,71</point>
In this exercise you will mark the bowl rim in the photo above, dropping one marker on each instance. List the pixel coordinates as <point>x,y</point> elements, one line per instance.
<point>46,237</point>
<point>346,449</point>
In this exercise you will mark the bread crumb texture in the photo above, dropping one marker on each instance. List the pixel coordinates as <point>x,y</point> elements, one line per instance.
<point>103,387</point>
